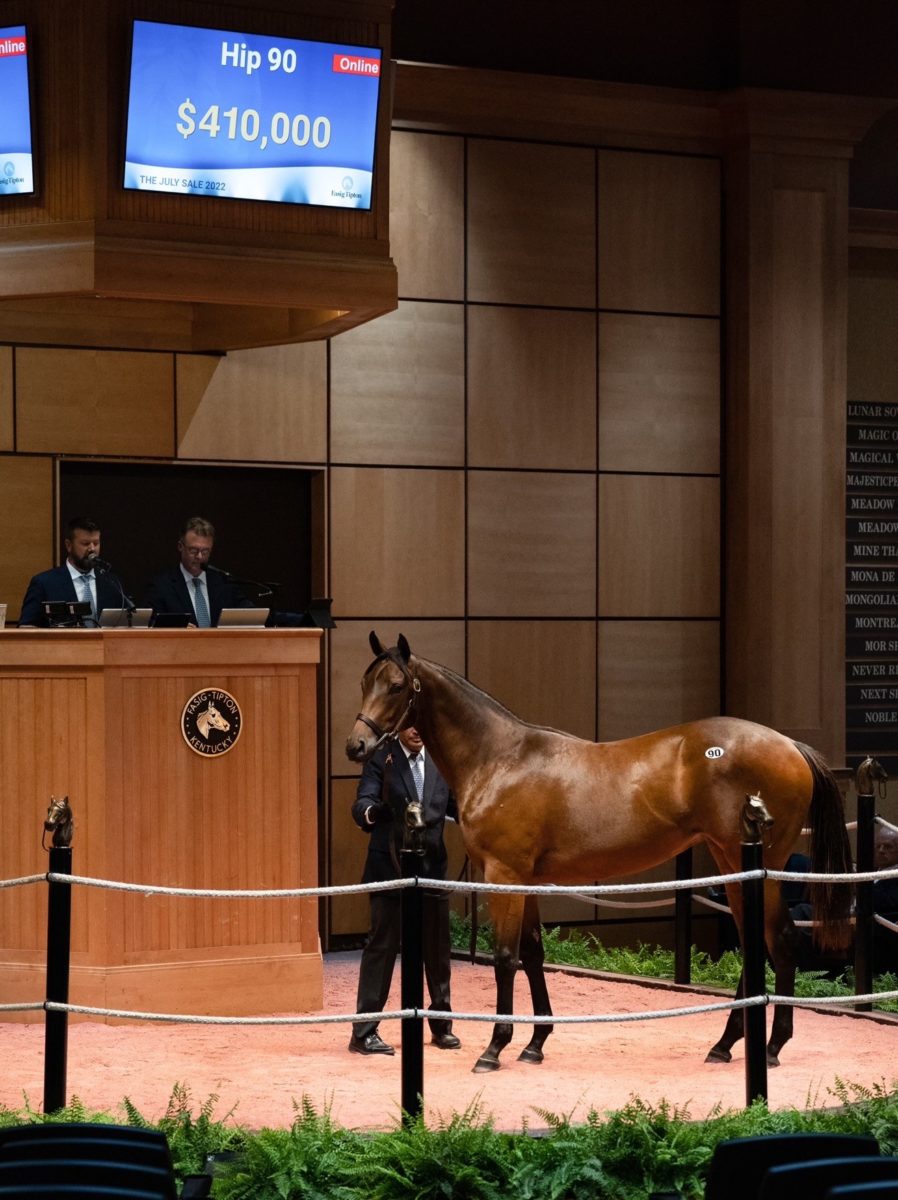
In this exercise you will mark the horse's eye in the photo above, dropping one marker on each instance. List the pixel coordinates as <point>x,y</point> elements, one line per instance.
<point>396,688</point>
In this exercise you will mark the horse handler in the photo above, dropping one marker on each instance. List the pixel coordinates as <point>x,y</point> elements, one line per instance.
<point>395,776</point>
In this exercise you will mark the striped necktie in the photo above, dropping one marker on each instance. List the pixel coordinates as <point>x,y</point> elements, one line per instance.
<point>200,605</point>
<point>87,593</point>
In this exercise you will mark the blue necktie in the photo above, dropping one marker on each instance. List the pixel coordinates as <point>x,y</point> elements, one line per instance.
<point>199,603</point>
<point>87,593</point>
<point>417,774</point>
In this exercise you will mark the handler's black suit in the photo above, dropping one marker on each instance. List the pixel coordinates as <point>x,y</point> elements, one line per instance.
<point>167,593</point>
<point>56,584</point>
<point>379,955</point>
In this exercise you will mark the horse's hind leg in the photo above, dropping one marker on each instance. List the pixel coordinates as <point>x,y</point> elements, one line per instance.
<point>782,943</point>
<point>735,1026</point>
<point>532,959</point>
<point>506,912</point>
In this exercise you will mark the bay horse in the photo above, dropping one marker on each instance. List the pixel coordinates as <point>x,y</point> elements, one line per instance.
<point>539,806</point>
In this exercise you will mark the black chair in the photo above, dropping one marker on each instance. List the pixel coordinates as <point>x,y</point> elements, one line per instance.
<point>84,1146</point>
<point>51,1173</point>
<point>874,1190</point>
<point>812,1180</point>
<point>738,1165</point>
<point>71,1191</point>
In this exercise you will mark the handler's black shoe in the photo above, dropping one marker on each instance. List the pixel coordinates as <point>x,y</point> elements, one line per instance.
<point>371,1043</point>
<point>445,1041</point>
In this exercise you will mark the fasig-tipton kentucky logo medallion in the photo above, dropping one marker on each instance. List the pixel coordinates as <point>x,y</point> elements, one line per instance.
<point>211,722</point>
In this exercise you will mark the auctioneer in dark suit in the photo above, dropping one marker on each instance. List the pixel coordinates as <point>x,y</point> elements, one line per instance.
<point>56,584</point>
<point>385,788</point>
<point>167,593</point>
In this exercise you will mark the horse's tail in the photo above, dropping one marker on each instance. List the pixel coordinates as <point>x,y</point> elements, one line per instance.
<point>830,855</point>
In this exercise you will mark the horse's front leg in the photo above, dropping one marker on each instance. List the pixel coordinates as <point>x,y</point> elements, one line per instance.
<point>532,959</point>
<point>506,912</point>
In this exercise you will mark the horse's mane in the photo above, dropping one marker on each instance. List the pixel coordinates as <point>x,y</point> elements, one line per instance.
<point>490,701</point>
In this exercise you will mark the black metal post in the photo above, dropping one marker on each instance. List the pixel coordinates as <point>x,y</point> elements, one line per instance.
<point>683,921</point>
<point>59,936</point>
<point>412,964</point>
<point>863,912</point>
<point>753,974</point>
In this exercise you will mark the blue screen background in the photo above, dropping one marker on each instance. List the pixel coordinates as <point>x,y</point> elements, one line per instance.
<point>15,107</point>
<point>172,63</point>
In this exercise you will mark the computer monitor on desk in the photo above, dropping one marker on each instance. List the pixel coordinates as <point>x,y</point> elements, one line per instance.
<point>121,618</point>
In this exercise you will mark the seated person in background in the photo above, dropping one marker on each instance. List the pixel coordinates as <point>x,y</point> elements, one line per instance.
<point>191,588</point>
<point>77,579</point>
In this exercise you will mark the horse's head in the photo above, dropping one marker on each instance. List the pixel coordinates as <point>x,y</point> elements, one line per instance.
<point>389,693</point>
<point>59,822</point>
<point>211,718</point>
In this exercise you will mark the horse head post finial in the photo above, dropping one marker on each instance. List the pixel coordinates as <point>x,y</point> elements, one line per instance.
<point>60,822</point>
<point>754,818</point>
<point>869,773</point>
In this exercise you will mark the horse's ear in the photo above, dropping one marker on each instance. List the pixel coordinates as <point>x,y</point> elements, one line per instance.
<point>374,643</point>
<point>404,650</point>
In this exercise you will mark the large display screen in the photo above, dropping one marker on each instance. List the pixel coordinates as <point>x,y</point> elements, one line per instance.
<point>16,159</point>
<point>253,117</point>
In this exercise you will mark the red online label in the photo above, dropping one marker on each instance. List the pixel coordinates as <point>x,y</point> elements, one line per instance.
<point>12,46</point>
<point>354,64</point>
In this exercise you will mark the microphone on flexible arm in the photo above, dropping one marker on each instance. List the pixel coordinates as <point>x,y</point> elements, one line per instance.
<point>265,589</point>
<point>100,564</point>
<point>102,567</point>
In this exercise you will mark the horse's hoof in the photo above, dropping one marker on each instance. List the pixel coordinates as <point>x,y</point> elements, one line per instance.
<point>772,1059</point>
<point>531,1055</point>
<point>718,1054</point>
<point>486,1062</point>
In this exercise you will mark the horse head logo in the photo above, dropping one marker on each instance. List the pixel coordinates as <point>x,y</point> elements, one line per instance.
<point>211,722</point>
<point>211,718</point>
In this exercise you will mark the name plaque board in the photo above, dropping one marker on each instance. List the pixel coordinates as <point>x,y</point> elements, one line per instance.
<point>871,583</point>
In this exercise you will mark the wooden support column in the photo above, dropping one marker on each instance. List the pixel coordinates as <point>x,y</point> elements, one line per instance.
<point>786,217</point>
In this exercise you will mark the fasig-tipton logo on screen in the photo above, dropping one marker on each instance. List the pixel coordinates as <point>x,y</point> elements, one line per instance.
<point>251,117</point>
<point>16,160</point>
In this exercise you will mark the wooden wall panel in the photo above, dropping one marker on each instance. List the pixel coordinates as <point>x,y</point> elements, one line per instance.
<point>94,402</point>
<point>531,224</point>
<point>656,673</point>
<point>26,500</point>
<point>872,345</point>
<point>659,546</point>
<point>798,446</point>
<point>659,393</point>
<point>397,541</point>
<point>543,671</point>
<point>440,641</point>
<point>659,233</point>
<point>348,847</point>
<point>532,388</point>
<point>7,425</point>
<point>266,405</point>
<point>398,388</point>
<point>531,544</point>
<point>427,215</point>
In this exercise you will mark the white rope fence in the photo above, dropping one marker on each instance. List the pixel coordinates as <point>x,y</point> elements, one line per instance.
<point>589,894</point>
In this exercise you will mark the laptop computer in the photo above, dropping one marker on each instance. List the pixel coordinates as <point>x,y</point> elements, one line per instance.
<point>117,618</point>
<point>173,620</point>
<point>243,618</point>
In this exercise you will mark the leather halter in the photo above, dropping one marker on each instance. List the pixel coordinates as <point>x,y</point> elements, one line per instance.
<point>390,735</point>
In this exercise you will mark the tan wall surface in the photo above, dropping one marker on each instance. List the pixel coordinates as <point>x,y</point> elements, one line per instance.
<point>503,461</point>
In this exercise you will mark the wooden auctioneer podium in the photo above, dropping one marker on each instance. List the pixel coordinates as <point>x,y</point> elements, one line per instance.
<point>162,793</point>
